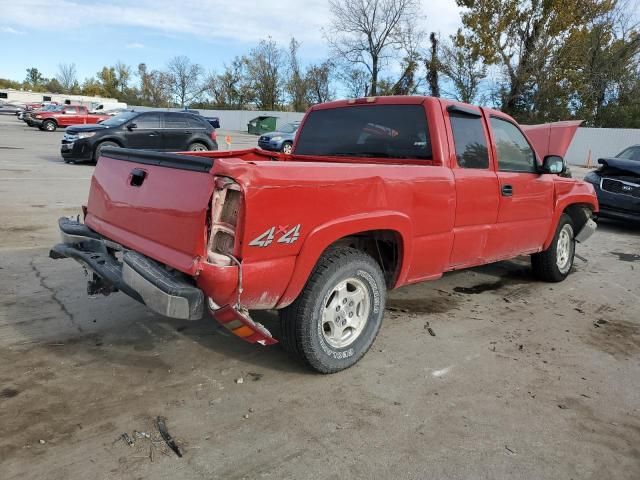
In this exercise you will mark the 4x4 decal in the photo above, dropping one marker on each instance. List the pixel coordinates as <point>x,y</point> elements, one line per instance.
<point>287,235</point>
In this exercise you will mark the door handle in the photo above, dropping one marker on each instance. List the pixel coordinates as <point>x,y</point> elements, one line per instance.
<point>136,177</point>
<point>507,190</point>
<point>154,134</point>
<point>188,132</point>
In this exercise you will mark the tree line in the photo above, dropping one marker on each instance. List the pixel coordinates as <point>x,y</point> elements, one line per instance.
<point>539,61</point>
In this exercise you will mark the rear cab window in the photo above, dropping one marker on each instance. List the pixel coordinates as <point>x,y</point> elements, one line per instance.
<point>470,140</point>
<point>368,131</point>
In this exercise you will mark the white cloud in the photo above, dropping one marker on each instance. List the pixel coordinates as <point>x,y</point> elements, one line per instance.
<point>135,45</point>
<point>11,30</point>
<point>242,21</point>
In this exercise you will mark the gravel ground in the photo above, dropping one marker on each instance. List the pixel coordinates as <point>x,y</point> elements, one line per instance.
<point>522,379</point>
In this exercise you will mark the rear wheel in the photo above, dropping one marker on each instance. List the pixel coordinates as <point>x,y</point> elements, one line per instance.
<point>49,126</point>
<point>554,264</point>
<point>198,147</point>
<point>287,148</point>
<point>337,316</point>
<point>98,151</point>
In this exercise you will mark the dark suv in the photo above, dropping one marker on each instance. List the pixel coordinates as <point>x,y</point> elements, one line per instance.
<point>160,131</point>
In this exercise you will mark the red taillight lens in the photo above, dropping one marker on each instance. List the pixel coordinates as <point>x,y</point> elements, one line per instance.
<point>214,135</point>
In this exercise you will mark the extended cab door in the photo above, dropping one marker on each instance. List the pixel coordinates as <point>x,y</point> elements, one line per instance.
<point>526,196</point>
<point>476,185</point>
<point>144,131</point>
<point>70,116</point>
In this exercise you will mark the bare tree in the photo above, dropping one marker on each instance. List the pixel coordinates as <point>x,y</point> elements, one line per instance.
<point>67,76</point>
<point>184,79</point>
<point>433,66</point>
<point>265,65</point>
<point>364,31</point>
<point>296,85</point>
<point>356,81</point>
<point>318,79</point>
<point>463,68</point>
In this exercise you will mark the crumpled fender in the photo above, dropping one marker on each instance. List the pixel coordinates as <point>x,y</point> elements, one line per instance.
<point>324,235</point>
<point>570,192</point>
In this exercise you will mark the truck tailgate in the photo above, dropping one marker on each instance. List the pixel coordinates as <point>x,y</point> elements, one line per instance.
<point>154,203</point>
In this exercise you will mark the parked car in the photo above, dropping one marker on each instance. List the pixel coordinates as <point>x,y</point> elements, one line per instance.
<point>27,116</point>
<point>10,107</point>
<point>63,117</point>
<point>156,130</point>
<point>378,193</point>
<point>107,107</point>
<point>281,140</point>
<point>617,184</point>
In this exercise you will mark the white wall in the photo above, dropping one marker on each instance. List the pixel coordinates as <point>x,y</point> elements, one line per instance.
<point>601,142</point>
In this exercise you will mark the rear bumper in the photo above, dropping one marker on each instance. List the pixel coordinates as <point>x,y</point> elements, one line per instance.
<point>115,268</point>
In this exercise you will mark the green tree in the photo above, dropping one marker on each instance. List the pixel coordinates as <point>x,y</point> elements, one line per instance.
<point>34,77</point>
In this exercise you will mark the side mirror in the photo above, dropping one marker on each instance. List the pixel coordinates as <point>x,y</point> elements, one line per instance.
<point>553,164</point>
<point>131,126</point>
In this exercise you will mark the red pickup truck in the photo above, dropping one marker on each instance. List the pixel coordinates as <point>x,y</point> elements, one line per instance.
<point>378,193</point>
<point>65,116</point>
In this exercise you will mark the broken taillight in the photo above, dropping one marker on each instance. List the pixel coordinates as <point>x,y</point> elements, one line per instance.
<point>225,210</point>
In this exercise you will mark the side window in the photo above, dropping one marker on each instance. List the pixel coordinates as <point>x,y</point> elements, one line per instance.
<point>514,152</point>
<point>148,120</point>
<point>175,120</point>
<point>197,122</point>
<point>470,141</point>
<point>70,110</point>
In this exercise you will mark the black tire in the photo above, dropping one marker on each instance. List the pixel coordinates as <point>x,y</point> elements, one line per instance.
<point>304,334</point>
<point>98,151</point>
<point>49,126</point>
<point>546,264</point>
<point>287,147</point>
<point>198,147</point>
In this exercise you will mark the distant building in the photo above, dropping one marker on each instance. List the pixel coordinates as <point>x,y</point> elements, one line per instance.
<point>24,96</point>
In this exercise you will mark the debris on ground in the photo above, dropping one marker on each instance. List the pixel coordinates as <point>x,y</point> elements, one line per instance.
<point>239,380</point>
<point>141,434</point>
<point>245,416</point>
<point>127,439</point>
<point>161,423</point>
<point>429,329</point>
<point>562,407</point>
<point>509,450</point>
<point>256,376</point>
<point>42,442</point>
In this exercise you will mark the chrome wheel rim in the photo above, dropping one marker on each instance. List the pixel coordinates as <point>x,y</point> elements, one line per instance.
<point>49,127</point>
<point>345,314</point>
<point>198,148</point>
<point>287,148</point>
<point>564,249</point>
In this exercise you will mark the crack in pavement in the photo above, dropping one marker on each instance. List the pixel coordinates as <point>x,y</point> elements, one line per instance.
<point>54,296</point>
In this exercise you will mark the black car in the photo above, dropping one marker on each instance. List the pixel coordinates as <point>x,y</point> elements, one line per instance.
<point>617,184</point>
<point>160,131</point>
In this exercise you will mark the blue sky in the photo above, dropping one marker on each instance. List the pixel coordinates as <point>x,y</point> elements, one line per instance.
<point>92,34</point>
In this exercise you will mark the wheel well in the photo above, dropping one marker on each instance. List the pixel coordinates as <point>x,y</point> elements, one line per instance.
<point>579,214</point>
<point>384,246</point>
<point>50,120</point>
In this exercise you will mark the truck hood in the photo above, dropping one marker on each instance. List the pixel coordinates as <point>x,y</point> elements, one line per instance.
<point>620,165</point>
<point>552,138</point>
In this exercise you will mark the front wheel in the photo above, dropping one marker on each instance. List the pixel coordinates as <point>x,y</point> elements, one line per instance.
<point>98,151</point>
<point>49,126</point>
<point>554,264</point>
<point>337,316</point>
<point>287,148</point>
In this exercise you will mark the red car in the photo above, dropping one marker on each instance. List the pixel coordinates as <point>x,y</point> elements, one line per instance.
<point>378,193</point>
<point>64,117</point>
